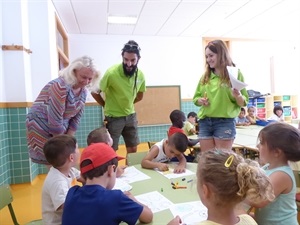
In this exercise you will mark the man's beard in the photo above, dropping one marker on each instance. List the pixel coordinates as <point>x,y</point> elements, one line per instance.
<point>131,72</point>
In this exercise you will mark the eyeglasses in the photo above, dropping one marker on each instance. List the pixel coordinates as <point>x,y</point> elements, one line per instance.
<point>131,47</point>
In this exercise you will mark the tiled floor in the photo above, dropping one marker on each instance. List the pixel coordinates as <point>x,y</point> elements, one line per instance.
<point>27,197</point>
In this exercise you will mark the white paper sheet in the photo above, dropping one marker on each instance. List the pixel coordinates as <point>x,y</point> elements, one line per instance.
<point>170,173</point>
<point>191,213</point>
<point>155,201</point>
<point>122,185</point>
<point>233,74</point>
<point>131,174</point>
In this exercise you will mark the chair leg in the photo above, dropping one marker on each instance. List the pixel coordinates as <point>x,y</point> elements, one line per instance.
<point>12,213</point>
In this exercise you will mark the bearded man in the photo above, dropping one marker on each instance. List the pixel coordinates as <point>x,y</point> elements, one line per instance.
<point>122,86</point>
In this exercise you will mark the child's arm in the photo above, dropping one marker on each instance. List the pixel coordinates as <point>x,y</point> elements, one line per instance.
<point>250,119</point>
<point>146,216</point>
<point>180,168</point>
<point>259,118</point>
<point>282,184</point>
<point>147,160</point>
<point>120,170</point>
<point>175,221</point>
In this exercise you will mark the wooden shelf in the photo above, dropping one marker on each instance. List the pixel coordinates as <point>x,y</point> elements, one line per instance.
<point>16,48</point>
<point>264,106</point>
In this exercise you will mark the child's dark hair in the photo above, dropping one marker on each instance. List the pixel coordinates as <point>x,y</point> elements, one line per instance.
<point>98,171</point>
<point>57,149</point>
<point>192,114</point>
<point>98,135</point>
<point>282,136</point>
<point>179,141</point>
<point>177,118</point>
<point>243,110</point>
<point>277,107</point>
<point>233,178</point>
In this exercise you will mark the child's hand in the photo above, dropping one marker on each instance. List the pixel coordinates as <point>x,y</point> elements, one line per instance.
<point>163,167</point>
<point>179,169</point>
<point>120,170</point>
<point>175,221</point>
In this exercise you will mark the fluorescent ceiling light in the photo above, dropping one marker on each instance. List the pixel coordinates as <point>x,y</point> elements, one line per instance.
<point>122,19</point>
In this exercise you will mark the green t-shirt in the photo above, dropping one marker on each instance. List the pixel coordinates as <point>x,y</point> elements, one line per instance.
<point>120,91</point>
<point>222,104</point>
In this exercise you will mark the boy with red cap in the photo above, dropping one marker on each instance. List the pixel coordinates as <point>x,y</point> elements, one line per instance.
<point>95,203</point>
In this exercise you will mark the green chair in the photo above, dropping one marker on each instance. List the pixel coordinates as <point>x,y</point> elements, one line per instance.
<point>135,158</point>
<point>297,179</point>
<point>150,144</point>
<point>6,199</point>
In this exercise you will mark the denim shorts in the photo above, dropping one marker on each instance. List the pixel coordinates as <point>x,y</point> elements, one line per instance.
<point>125,126</point>
<point>217,128</point>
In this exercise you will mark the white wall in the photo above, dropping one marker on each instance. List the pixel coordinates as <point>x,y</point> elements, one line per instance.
<point>32,25</point>
<point>164,61</point>
<point>179,61</point>
<point>44,59</point>
<point>2,86</point>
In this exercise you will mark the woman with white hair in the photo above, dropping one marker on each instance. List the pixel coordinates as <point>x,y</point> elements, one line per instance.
<point>59,106</point>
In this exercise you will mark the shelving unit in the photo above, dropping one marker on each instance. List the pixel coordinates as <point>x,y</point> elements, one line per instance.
<point>264,106</point>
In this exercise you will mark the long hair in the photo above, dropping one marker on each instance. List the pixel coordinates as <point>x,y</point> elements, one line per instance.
<point>233,178</point>
<point>223,59</point>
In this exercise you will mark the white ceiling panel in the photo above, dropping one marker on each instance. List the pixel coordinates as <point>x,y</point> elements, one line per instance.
<point>67,16</point>
<point>126,8</point>
<point>117,29</point>
<point>92,19</point>
<point>195,18</point>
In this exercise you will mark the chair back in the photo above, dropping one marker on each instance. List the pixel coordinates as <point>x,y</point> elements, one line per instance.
<point>297,177</point>
<point>5,196</point>
<point>151,143</point>
<point>135,158</point>
<point>6,199</point>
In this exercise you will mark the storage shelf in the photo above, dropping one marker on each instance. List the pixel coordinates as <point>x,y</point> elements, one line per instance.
<point>264,106</point>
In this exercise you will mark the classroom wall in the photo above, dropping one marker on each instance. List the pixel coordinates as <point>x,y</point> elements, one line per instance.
<point>165,61</point>
<point>2,87</point>
<point>179,60</point>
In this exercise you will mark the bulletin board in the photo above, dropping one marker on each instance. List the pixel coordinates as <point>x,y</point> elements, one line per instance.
<point>157,104</point>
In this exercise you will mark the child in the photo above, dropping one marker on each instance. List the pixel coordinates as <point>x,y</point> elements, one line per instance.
<point>95,202</point>
<point>251,117</point>
<point>163,151</point>
<point>225,179</point>
<point>241,120</point>
<point>177,118</point>
<point>278,144</point>
<point>189,125</point>
<point>277,114</point>
<point>101,135</point>
<point>62,153</point>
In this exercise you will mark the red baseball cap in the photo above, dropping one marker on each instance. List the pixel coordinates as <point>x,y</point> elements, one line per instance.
<point>98,153</point>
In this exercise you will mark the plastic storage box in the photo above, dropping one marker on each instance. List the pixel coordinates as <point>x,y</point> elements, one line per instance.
<point>264,123</point>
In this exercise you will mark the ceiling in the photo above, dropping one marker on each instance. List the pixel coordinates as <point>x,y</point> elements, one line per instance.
<point>251,19</point>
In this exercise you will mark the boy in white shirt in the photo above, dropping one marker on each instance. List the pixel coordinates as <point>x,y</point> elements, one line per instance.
<point>62,153</point>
